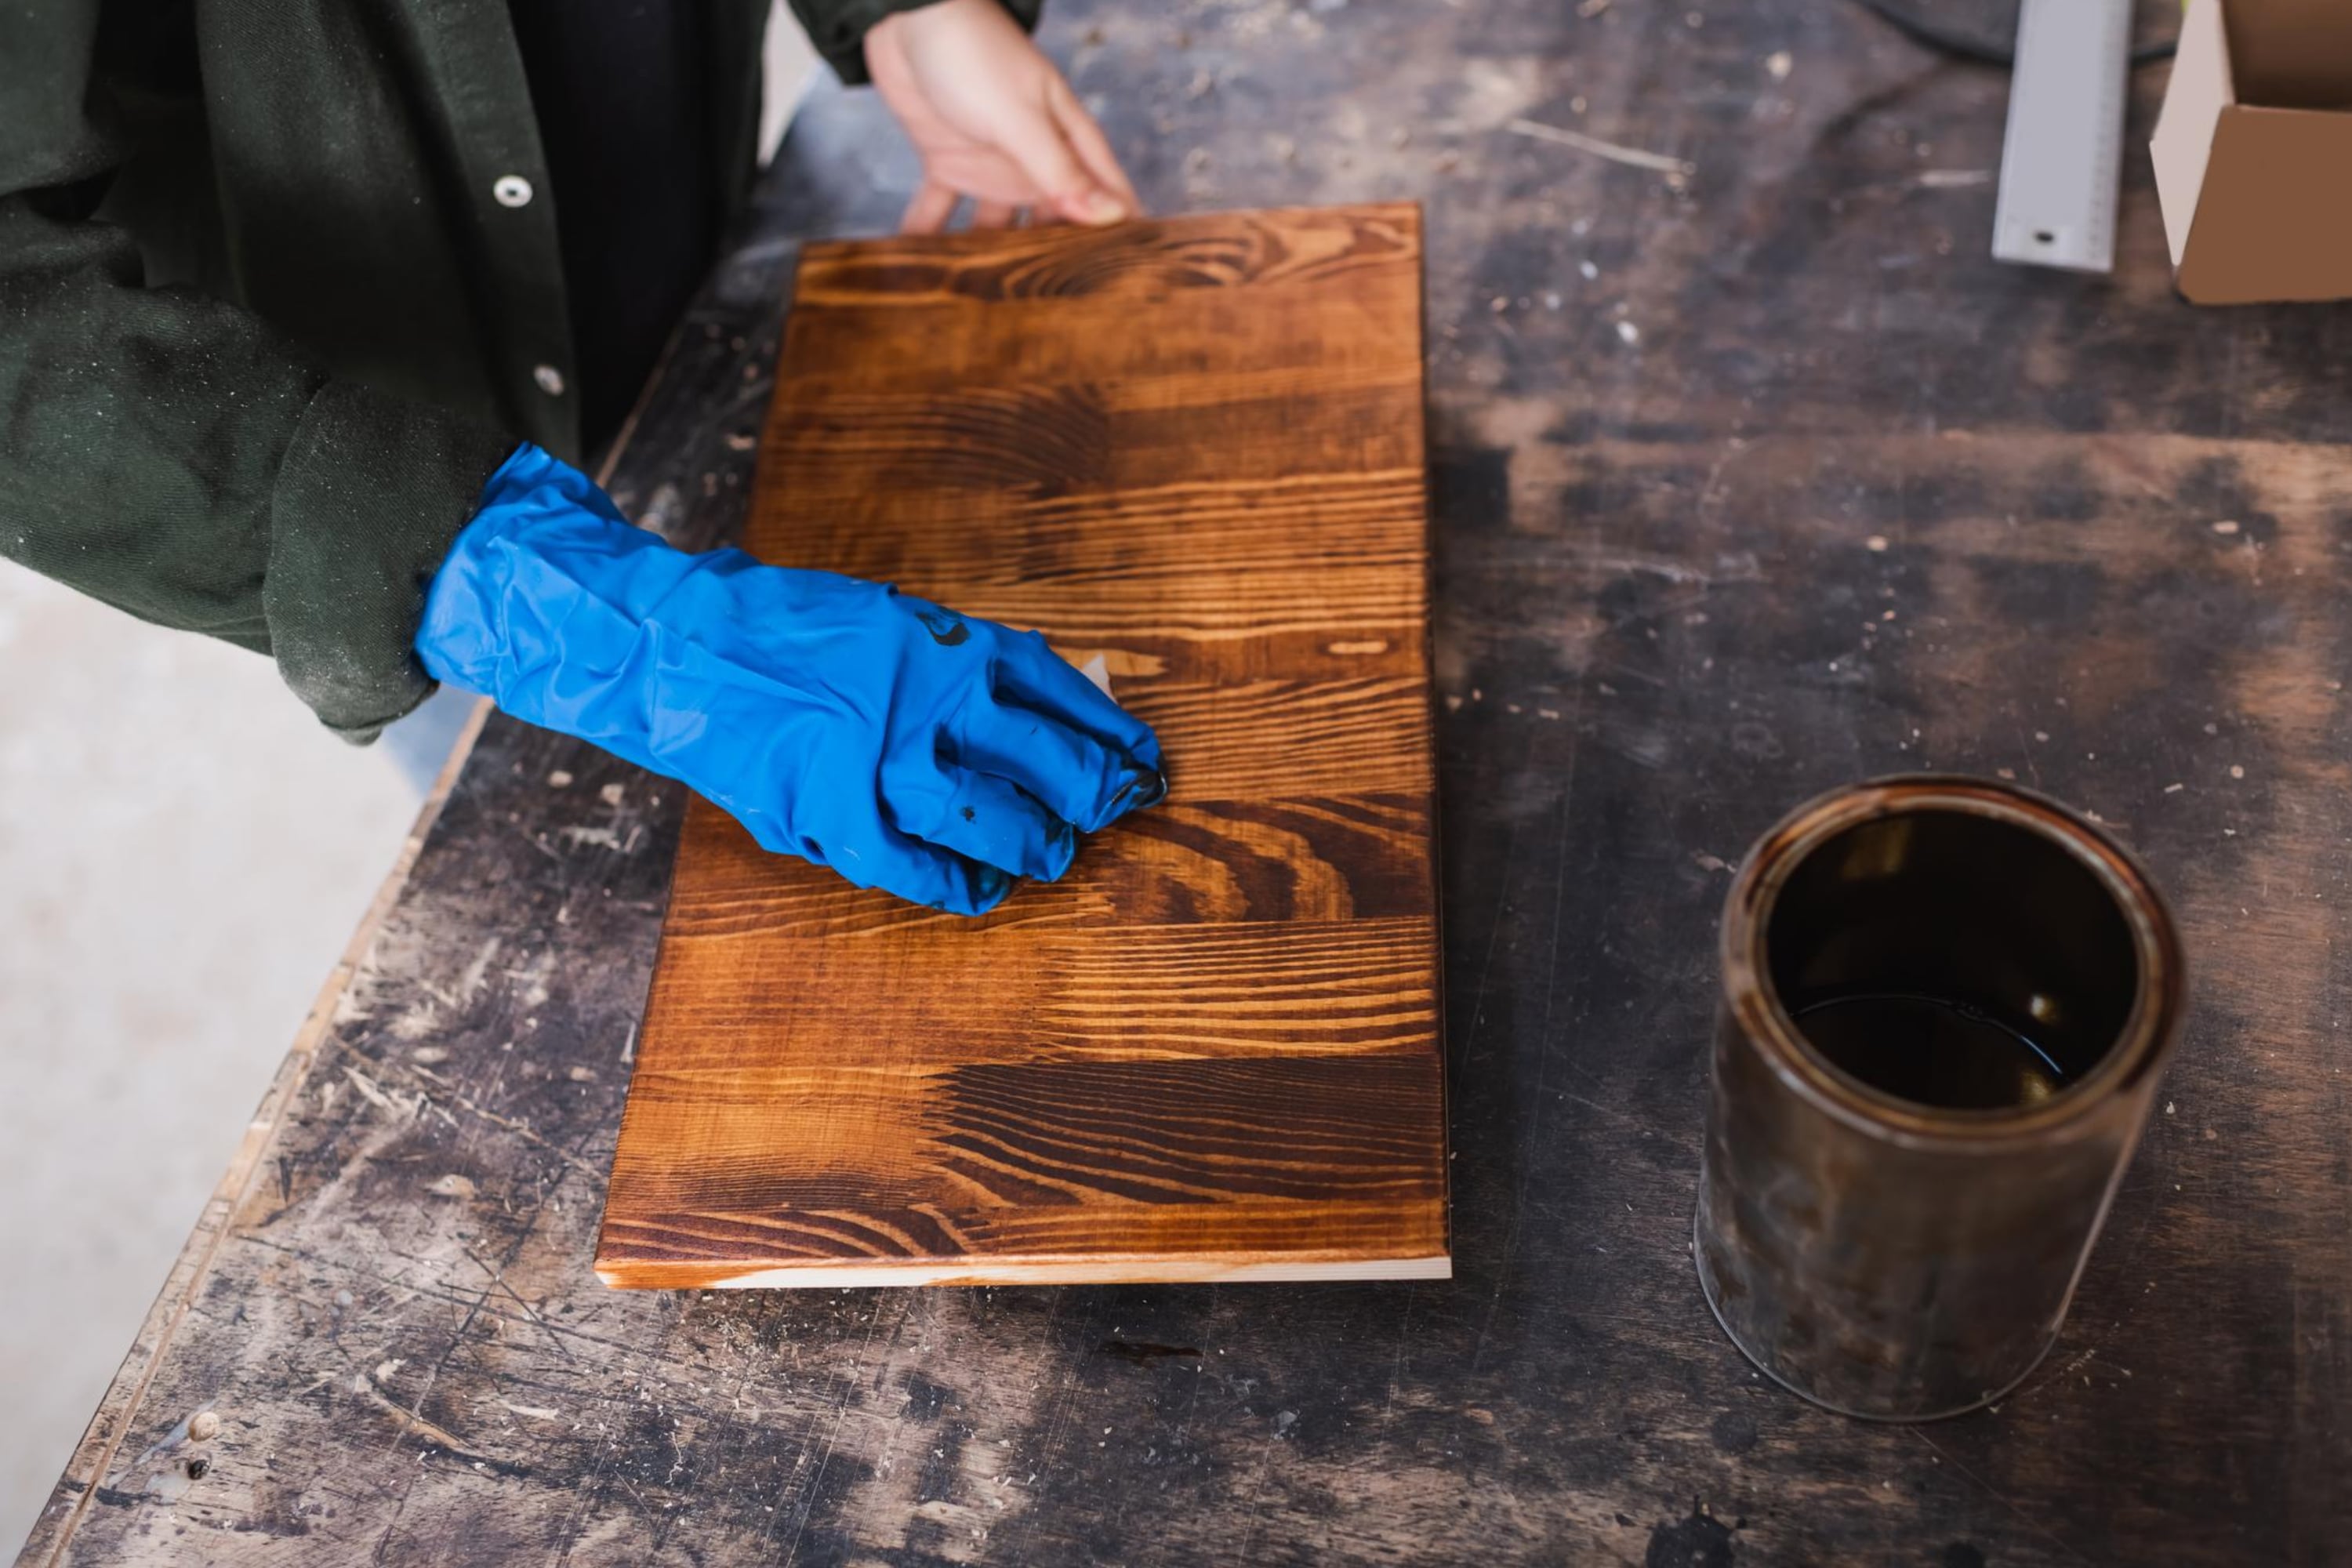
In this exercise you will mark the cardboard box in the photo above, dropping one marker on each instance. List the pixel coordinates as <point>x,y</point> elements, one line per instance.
<point>2253,151</point>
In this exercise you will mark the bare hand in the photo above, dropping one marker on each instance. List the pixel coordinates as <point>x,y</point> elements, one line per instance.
<point>991,119</point>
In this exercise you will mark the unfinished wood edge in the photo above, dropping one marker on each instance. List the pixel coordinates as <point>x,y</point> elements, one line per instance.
<point>1430,751</point>
<point>1113,1270</point>
<point>94,1456</point>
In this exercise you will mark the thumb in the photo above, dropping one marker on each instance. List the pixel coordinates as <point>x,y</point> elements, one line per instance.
<point>1034,142</point>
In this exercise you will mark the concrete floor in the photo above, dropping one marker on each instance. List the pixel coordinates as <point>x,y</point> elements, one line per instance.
<point>184,853</point>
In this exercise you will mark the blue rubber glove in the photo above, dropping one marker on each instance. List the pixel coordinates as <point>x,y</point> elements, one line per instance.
<point>907,747</point>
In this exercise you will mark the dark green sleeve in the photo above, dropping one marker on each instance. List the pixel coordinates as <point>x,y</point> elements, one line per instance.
<point>173,456</point>
<point>837,28</point>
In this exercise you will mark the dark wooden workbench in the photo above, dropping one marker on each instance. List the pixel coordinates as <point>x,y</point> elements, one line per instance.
<point>1788,486</point>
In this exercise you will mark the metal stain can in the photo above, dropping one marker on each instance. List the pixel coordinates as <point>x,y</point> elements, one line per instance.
<point>1947,1005</point>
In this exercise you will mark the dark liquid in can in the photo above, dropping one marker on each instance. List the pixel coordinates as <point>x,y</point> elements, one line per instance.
<point>1931,1051</point>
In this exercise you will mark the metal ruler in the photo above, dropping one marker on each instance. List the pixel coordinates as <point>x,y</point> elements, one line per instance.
<point>2062,160</point>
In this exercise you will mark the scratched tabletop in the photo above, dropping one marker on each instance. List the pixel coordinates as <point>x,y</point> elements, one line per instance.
<point>1753,476</point>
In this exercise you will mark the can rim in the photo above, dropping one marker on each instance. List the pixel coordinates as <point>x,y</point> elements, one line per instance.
<point>2140,1048</point>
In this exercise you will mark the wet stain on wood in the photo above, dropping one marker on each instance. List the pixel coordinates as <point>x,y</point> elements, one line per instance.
<point>1211,1049</point>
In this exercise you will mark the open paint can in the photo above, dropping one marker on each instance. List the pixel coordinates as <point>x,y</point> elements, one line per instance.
<point>1947,1005</point>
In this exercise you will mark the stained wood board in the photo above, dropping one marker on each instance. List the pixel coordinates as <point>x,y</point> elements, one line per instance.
<point>1652,571</point>
<point>1193,448</point>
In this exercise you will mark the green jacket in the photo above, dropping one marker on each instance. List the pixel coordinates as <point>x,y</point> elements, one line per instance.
<point>266,321</point>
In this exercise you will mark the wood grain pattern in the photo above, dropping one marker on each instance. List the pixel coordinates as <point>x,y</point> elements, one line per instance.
<point>1653,580</point>
<point>1194,448</point>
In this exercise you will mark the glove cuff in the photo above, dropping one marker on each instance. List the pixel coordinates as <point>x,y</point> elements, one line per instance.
<point>536,513</point>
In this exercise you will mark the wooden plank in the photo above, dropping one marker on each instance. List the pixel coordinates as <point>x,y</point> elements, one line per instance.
<point>1211,1051</point>
<point>1652,573</point>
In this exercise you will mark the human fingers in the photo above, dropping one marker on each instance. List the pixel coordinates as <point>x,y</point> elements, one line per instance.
<point>1092,146</point>
<point>927,874</point>
<point>1033,137</point>
<point>1084,781</point>
<point>995,822</point>
<point>929,212</point>
<point>1086,759</point>
<point>931,791</point>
